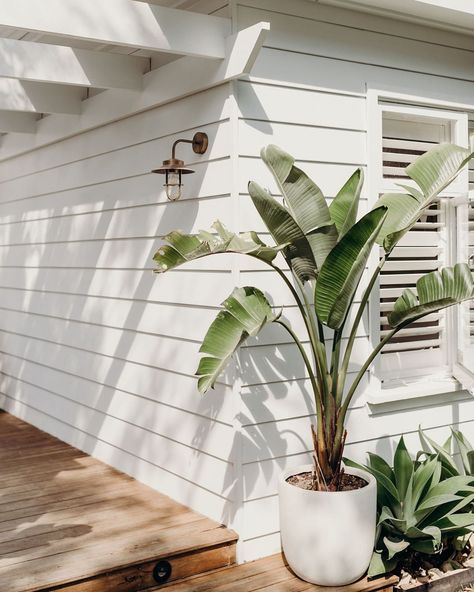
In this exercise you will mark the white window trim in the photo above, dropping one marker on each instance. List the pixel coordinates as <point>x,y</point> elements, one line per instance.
<point>465,375</point>
<point>436,385</point>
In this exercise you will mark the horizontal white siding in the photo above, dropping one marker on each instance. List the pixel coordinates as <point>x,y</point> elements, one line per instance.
<point>97,349</point>
<point>307,94</point>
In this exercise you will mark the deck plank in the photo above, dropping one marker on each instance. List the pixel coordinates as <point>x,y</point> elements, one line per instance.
<point>73,523</point>
<point>270,574</point>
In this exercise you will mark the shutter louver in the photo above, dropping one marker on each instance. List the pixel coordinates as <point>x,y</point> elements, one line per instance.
<point>419,252</point>
<point>398,153</point>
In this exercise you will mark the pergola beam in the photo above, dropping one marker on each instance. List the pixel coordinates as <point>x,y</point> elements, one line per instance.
<point>42,62</point>
<point>171,82</point>
<point>121,22</point>
<point>39,97</point>
<point>21,123</point>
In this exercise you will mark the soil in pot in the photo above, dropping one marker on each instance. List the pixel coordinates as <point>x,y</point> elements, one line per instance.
<point>347,483</point>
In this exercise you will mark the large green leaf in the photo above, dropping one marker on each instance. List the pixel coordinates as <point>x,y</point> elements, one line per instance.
<point>342,271</point>
<point>446,459</point>
<point>380,564</point>
<point>461,505</point>
<point>422,477</point>
<point>432,503</point>
<point>434,291</point>
<point>466,451</point>
<point>345,205</point>
<point>384,483</point>
<point>285,230</point>
<point>428,546</point>
<point>304,200</point>
<point>395,546</point>
<point>403,468</point>
<point>433,172</point>
<point>452,485</point>
<point>456,522</point>
<point>386,516</point>
<point>381,465</point>
<point>244,314</point>
<point>187,247</point>
<point>436,169</point>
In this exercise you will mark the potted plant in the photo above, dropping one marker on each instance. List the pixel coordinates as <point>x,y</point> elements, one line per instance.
<point>327,249</point>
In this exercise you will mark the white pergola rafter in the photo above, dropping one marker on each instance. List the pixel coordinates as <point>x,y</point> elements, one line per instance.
<point>170,82</point>
<point>121,22</point>
<point>42,62</point>
<point>20,123</point>
<point>38,97</point>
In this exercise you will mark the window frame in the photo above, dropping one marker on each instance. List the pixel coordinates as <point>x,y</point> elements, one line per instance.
<point>464,375</point>
<point>454,377</point>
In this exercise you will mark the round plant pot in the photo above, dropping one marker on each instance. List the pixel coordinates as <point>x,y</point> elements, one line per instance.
<point>328,537</point>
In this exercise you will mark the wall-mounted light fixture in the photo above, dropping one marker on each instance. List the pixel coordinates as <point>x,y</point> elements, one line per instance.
<point>175,168</point>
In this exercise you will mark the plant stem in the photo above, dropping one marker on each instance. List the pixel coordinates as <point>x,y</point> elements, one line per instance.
<point>355,325</point>
<point>309,323</point>
<point>319,355</point>
<point>302,352</point>
<point>336,353</point>
<point>322,370</point>
<point>358,378</point>
<point>306,318</point>
<point>309,311</point>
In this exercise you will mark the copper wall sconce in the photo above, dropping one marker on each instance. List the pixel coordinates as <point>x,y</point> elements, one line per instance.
<point>174,168</point>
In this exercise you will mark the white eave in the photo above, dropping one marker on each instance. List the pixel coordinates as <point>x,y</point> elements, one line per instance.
<point>455,15</point>
<point>70,65</point>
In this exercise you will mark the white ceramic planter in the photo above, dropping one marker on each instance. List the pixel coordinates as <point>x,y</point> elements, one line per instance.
<point>328,537</point>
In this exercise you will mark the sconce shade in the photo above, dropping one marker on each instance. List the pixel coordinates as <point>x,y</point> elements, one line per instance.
<point>174,168</point>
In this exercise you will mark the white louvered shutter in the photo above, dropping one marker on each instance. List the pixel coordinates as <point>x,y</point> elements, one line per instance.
<point>423,348</point>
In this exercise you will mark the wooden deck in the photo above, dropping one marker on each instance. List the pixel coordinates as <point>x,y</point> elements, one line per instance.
<point>268,575</point>
<point>69,522</point>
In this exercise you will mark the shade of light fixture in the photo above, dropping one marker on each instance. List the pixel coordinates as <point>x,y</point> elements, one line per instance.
<point>174,168</point>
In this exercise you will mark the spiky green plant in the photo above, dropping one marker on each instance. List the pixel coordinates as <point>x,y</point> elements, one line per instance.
<point>456,445</point>
<point>326,249</point>
<point>419,509</point>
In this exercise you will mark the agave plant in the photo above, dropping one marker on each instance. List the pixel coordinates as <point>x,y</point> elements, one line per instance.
<point>326,249</point>
<point>456,444</point>
<point>418,509</point>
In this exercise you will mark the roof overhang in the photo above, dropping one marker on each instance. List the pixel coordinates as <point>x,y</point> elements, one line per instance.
<point>60,76</point>
<point>457,15</point>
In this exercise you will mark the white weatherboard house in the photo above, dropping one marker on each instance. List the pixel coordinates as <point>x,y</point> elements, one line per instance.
<point>99,351</point>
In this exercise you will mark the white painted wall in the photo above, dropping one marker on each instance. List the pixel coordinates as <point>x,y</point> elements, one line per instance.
<point>98,351</point>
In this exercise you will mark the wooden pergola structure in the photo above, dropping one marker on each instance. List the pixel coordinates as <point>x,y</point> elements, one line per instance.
<point>70,65</point>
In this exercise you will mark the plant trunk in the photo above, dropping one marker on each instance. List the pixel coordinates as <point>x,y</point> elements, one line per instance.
<point>327,459</point>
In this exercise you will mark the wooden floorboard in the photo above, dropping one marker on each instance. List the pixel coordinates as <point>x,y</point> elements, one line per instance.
<point>69,522</point>
<point>270,574</point>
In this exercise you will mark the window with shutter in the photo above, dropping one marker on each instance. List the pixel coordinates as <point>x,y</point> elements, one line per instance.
<point>421,348</point>
<point>424,352</point>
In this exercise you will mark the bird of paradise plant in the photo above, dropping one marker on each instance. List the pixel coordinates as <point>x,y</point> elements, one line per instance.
<point>327,249</point>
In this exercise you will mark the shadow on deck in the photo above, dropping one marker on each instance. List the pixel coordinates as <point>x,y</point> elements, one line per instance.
<point>70,522</point>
